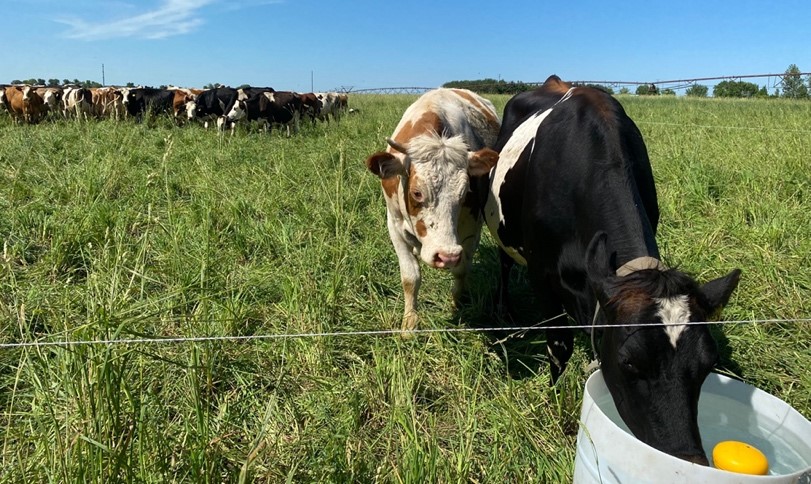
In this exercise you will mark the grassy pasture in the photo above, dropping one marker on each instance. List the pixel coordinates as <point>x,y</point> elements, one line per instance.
<point>116,230</point>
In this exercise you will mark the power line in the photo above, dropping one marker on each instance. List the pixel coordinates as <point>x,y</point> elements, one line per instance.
<point>679,83</point>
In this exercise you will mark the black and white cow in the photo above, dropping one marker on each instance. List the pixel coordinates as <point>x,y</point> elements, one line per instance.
<point>212,104</point>
<point>573,198</point>
<point>246,92</point>
<point>148,99</point>
<point>280,107</point>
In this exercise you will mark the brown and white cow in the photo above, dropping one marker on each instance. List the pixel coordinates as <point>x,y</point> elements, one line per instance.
<point>51,97</point>
<point>24,104</point>
<point>310,106</point>
<point>329,105</point>
<point>181,98</point>
<point>107,102</point>
<point>432,177</point>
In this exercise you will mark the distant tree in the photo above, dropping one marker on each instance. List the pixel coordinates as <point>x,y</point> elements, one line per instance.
<point>763,92</point>
<point>646,90</point>
<point>697,90</point>
<point>212,85</point>
<point>668,92</point>
<point>625,90</point>
<point>243,86</point>
<point>597,86</point>
<point>53,82</point>
<point>792,83</point>
<point>490,86</point>
<point>602,88</point>
<point>65,81</point>
<point>16,81</point>
<point>130,84</point>
<point>735,89</point>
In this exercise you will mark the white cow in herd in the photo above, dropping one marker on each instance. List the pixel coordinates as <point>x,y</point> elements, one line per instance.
<point>433,176</point>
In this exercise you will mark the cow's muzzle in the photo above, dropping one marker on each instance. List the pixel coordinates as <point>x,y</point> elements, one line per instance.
<point>444,260</point>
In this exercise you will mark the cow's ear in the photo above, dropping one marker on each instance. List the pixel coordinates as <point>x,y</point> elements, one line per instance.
<point>385,165</point>
<point>481,162</point>
<point>600,272</point>
<point>717,292</point>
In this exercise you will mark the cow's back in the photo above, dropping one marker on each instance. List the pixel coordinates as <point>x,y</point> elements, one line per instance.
<point>451,112</point>
<point>573,163</point>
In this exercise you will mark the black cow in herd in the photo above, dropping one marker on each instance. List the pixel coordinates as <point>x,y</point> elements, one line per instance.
<point>573,198</point>
<point>279,107</point>
<point>212,104</point>
<point>140,100</point>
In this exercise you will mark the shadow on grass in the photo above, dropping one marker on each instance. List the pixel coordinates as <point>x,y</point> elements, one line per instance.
<point>725,352</point>
<point>523,352</point>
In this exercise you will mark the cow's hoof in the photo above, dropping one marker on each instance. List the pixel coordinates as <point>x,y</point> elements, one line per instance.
<point>409,325</point>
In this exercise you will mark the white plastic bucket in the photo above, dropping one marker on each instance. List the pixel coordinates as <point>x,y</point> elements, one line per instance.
<point>728,409</point>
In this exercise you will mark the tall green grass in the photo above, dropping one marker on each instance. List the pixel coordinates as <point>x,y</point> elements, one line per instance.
<point>117,230</point>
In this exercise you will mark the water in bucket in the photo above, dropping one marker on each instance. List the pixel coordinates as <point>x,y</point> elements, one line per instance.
<point>728,410</point>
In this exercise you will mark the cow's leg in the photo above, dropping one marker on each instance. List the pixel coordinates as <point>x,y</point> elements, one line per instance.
<point>409,276</point>
<point>469,227</point>
<point>506,263</point>
<point>559,342</point>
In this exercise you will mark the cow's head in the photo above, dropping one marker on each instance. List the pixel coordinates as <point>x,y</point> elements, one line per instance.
<point>238,111</point>
<point>28,94</point>
<point>191,107</point>
<point>426,182</point>
<point>127,96</point>
<point>654,369</point>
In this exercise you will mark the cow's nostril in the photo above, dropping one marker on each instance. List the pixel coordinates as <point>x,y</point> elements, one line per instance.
<point>442,259</point>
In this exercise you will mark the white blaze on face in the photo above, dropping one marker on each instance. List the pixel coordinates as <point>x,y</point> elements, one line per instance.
<point>237,111</point>
<point>520,138</point>
<point>49,99</point>
<point>674,312</point>
<point>191,109</point>
<point>440,171</point>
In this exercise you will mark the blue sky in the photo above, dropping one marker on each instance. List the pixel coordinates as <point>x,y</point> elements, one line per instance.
<point>303,44</point>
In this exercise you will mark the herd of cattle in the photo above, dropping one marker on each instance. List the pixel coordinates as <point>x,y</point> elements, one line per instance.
<point>225,105</point>
<point>564,184</point>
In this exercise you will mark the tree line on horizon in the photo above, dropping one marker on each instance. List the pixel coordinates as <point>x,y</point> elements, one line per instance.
<point>792,86</point>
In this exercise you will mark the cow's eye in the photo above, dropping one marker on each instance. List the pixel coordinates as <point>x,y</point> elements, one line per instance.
<point>417,196</point>
<point>630,367</point>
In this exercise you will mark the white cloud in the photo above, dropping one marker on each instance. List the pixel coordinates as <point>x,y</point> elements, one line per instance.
<point>169,18</point>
